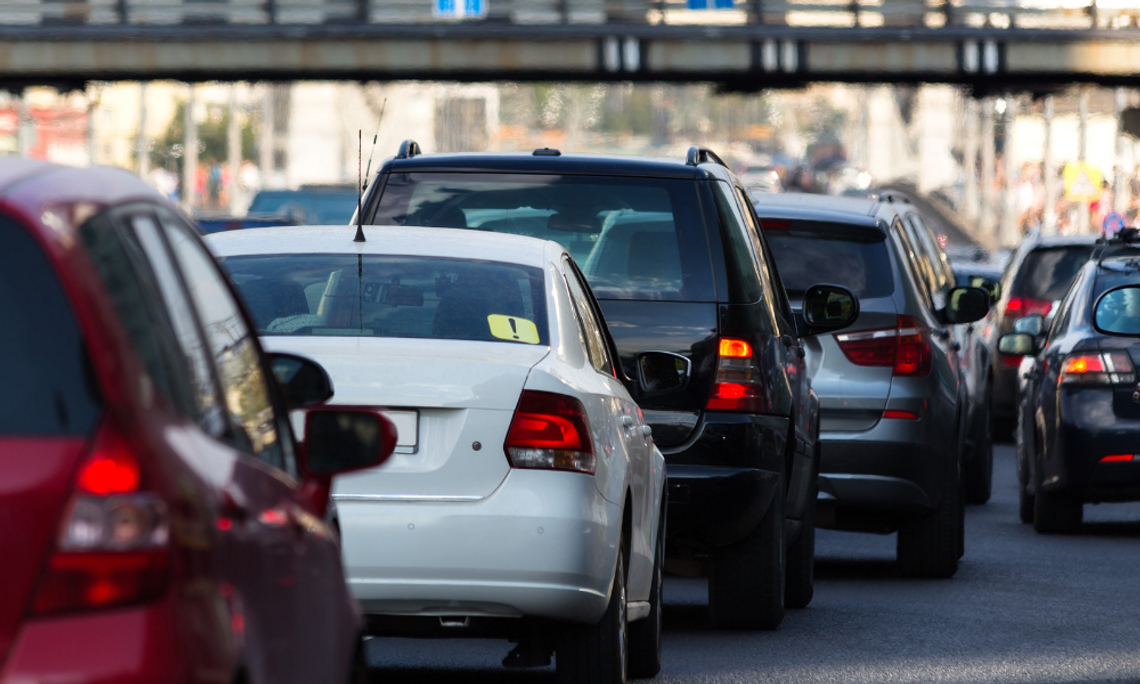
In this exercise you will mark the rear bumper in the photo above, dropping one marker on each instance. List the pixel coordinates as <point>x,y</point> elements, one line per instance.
<point>125,646</point>
<point>1089,430</point>
<point>889,471</point>
<point>542,545</point>
<point>723,479</point>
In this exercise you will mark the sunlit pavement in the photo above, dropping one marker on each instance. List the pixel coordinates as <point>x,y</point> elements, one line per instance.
<point>1022,608</point>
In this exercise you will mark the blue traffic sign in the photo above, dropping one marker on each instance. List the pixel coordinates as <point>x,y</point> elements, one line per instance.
<point>460,8</point>
<point>710,4</point>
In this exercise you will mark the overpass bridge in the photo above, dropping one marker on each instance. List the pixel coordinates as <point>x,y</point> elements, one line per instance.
<point>1035,45</point>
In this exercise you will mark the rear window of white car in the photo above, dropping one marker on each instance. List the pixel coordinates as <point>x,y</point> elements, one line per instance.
<point>349,295</point>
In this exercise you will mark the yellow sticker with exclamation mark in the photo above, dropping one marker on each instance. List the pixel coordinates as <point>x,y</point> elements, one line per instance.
<point>513,329</point>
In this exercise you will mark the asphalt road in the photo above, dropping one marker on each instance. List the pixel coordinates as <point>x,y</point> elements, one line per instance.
<point>1022,608</point>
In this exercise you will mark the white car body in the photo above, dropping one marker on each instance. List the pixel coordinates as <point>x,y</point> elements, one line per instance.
<point>452,529</point>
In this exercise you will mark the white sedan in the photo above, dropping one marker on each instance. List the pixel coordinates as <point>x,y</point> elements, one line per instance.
<point>525,499</point>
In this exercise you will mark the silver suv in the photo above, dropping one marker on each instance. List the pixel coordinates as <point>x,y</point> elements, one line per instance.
<point>892,399</point>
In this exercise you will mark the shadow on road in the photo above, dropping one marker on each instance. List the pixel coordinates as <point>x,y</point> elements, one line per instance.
<point>855,569</point>
<point>1110,529</point>
<point>435,676</point>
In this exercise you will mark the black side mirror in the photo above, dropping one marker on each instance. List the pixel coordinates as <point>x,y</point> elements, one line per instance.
<point>340,439</point>
<point>659,372</point>
<point>1017,343</point>
<point>1033,324</point>
<point>829,307</point>
<point>303,382</point>
<point>1117,312</point>
<point>966,304</point>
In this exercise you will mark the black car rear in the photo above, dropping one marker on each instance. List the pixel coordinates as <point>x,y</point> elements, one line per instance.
<point>673,253</point>
<point>1037,275</point>
<point>1080,406</point>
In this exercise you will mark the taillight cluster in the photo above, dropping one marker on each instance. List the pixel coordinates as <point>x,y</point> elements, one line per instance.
<point>1109,368</point>
<point>905,348</point>
<point>739,384</point>
<point>550,432</point>
<point>112,545</point>
<point>1017,307</point>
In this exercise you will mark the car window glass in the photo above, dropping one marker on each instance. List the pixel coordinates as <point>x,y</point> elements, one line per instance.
<point>770,277</point>
<point>914,264</point>
<point>186,330</point>
<point>245,390</point>
<point>129,282</point>
<point>940,265</point>
<point>49,385</point>
<point>372,295</point>
<point>855,257</point>
<point>635,238</point>
<point>595,344</point>
<point>743,270</point>
<point>1046,273</point>
<point>923,255</point>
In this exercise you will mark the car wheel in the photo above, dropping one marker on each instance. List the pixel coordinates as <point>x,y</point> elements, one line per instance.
<point>800,577</point>
<point>746,580</point>
<point>598,654</point>
<point>980,470</point>
<point>1056,513</point>
<point>1025,504</point>
<point>929,546</point>
<point>645,634</point>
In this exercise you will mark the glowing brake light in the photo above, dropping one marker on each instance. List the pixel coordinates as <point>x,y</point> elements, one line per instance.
<point>549,432</point>
<point>1111,368</point>
<point>900,415</point>
<point>738,385</point>
<point>1117,458</point>
<point>905,348</point>
<point>112,544</point>
<point>1017,307</point>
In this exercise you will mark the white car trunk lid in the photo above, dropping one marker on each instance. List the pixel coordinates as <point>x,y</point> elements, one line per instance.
<point>461,395</point>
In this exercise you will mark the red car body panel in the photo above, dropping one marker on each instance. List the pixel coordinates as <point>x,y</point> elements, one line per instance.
<point>256,586</point>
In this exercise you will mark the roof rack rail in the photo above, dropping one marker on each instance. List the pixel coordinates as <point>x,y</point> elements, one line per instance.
<point>699,154</point>
<point>1126,240</point>
<point>893,196</point>
<point>408,149</point>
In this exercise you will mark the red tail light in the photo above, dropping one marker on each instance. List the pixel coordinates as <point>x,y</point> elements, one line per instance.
<point>549,432</point>
<point>1017,307</point>
<point>1117,458</point>
<point>905,348</point>
<point>738,385</point>
<point>112,545</point>
<point>900,415</point>
<point>1111,368</point>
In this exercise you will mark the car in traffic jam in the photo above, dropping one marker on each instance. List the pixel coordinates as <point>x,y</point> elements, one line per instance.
<point>506,402</point>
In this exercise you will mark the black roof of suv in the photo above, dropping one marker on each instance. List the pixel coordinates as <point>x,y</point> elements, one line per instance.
<point>673,252</point>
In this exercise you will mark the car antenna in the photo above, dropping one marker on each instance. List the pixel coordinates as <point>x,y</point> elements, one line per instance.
<point>372,152</point>
<point>359,187</point>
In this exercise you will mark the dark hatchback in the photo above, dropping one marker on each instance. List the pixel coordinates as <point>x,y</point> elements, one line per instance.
<point>1079,418</point>
<point>1035,278</point>
<point>673,253</point>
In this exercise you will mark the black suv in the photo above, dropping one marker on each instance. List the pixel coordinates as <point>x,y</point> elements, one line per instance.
<point>673,252</point>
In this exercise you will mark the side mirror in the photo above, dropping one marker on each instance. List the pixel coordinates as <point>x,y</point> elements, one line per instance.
<point>1117,312</point>
<point>659,372</point>
<point>966,304</point>
<point>303,382</point>
<point>1033,324</point>
<point>829,307</point>
<point>341,439</point>
<point>1019,344</point>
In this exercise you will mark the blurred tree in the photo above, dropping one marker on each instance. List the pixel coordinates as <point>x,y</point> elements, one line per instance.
<point>211,138</point>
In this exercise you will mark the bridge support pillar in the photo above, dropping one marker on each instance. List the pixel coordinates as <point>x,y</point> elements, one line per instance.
<point>1049,174</point>
<point>1010,228</point>
<point>986,215</point>
<point>189,155</point>
<point>970,161</point>
<point>1084,221</point>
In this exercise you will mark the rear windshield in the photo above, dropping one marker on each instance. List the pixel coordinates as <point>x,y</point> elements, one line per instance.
<point>635,238</point>
<point>347,295</point>
<point>808,253</point>
<point>48,382</point>
<point>1047,273</point>
<point>319,207</point>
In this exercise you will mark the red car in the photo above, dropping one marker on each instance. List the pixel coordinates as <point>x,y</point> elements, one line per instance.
<point>158,523</point>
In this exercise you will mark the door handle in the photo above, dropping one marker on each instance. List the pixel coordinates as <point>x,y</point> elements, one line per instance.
<point>646,431</point>
<point>627,422</point>
<point>788,340</point>
<point>943,333</point>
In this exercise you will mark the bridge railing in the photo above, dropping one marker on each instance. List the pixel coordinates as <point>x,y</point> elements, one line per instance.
<point>1062,14</point>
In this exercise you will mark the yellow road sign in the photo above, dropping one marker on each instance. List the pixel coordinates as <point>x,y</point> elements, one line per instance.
<point>1082,182</point>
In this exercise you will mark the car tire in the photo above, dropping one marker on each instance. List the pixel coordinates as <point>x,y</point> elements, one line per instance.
<point>930,546</point>
<point>980,470</point>
<point>746,579</point>
<point>645,634</point>
<point>1056,513</point>
<point>598,654</point>
<point>800,575</point>
<point>1025,504</point>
